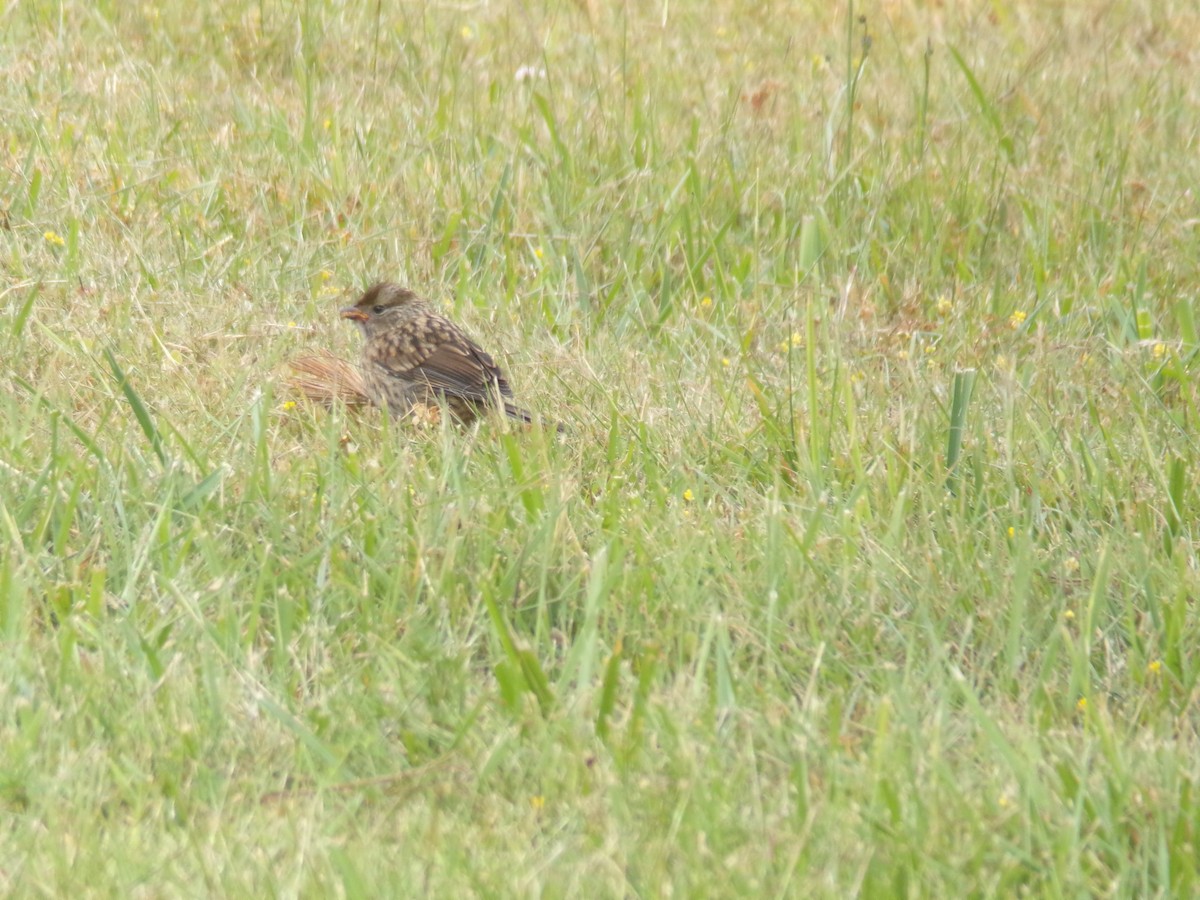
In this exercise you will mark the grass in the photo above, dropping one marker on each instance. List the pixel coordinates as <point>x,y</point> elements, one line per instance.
<point>867,566</point>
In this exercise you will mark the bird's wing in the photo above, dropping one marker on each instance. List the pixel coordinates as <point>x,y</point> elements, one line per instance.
<point>449,362</point>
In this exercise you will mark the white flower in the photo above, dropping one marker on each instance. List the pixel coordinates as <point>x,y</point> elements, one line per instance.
<point>529,73</point>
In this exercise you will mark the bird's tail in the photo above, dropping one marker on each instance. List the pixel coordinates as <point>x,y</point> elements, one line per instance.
<point>520,415</point>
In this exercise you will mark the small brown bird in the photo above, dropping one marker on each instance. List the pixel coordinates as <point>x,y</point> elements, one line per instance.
<point>414,357</point>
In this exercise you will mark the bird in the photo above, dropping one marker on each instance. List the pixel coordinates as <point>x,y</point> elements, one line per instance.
<point>413,357</point>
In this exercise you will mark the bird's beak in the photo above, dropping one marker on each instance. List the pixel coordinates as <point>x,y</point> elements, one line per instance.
<point>354,314</point>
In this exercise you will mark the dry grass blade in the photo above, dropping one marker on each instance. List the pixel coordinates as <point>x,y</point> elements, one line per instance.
<point>325,378</point>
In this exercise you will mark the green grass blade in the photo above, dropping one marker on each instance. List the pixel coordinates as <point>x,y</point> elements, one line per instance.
<point>608,693</point>
<point>522,670</point>
<point>964,384</point>
<point>1176,500</point>
<point>990,114</point>
<point>22,316</point>
<point>140,412</point>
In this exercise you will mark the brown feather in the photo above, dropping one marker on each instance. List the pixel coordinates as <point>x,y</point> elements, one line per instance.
<point>413,355</point>
<point>324,378</point>
<point>455,368</point>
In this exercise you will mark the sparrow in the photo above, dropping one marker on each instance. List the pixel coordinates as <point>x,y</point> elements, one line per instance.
<point>414,357</point>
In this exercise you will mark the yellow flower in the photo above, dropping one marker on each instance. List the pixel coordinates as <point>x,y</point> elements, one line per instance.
<point>290,404</point>
<point>1071,565</point>
<point>328,123</point>
<point>1159,350</point>
<point>326,274</point>
<point>1069,615</point>
<point>1082,704</point>
<point>537,251</point>
<point>53,237</point>
<point>1012,532</point>
<point>291,324</point>
<point>687,495</point>
<point>943,305</point>
<point>1015,320</point>
<point>538,802</point>
<point>1155,666</point>
<point>791,343</point>
<point>466,32</point>
<point>706,302</point>
<point>725,361</point>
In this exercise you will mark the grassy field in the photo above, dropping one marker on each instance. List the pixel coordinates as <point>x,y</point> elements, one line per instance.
<point>867,565</point>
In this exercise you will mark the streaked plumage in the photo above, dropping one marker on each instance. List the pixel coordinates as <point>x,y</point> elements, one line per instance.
<point>414,356</point>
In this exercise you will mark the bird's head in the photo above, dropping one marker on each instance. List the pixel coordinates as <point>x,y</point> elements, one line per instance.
<point>381,306</point>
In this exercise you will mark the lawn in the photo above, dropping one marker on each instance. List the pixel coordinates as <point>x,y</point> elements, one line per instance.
<point>865,565</point>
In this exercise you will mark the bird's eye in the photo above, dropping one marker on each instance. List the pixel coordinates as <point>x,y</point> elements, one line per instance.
<point>378,310</point>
